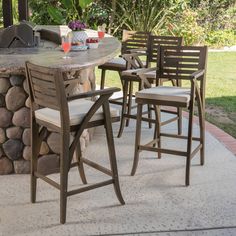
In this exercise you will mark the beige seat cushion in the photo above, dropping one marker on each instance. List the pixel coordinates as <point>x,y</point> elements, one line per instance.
<point>165,93</point>
<point>148,75</point>
<point>77,108</point>
<point>118,62</point>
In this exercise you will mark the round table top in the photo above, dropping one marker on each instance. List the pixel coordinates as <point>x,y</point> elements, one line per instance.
<point>12,60</point>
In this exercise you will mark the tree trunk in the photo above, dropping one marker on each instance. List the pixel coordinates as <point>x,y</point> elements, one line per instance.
<point>113,6</point>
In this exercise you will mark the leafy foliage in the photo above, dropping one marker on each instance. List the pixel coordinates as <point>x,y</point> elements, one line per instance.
<point>199,21</point>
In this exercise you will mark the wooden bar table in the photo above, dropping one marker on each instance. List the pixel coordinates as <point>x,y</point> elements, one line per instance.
<point>78,70</point>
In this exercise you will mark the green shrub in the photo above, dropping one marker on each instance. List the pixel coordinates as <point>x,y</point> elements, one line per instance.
<point>184,23</point>
<point>221,38</point>
<point>96,15</point>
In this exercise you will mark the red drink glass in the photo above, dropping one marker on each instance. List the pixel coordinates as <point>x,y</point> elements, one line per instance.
<point>66,45</point>
<point>101,34</point>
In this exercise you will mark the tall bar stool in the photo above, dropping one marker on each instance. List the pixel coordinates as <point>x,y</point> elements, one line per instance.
<point>179,63</point>
<point>52,109</point>
<point>132,41</point>
<point>145,77</point>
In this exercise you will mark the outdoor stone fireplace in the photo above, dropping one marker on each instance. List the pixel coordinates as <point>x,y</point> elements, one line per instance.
<point>15,151</point>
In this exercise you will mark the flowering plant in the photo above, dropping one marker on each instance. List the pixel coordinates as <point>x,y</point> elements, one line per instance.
<point>76,25</point>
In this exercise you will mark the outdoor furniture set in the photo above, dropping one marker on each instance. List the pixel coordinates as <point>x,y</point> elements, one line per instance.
<point>53,109</point>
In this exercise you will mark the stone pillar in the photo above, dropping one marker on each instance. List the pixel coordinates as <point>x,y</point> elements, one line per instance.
<point>15,151</point>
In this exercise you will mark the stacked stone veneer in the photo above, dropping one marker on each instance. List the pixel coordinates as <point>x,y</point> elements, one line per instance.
<point>15,141</point>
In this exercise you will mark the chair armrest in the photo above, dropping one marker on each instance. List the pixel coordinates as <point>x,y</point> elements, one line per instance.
<point>197,74</point>
<point>137,50</point>
<point>144,71</point>
<point>137,54</point>
<point>93,93</point>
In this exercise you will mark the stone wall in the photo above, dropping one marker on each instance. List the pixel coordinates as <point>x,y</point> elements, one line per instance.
<point>15,151</point>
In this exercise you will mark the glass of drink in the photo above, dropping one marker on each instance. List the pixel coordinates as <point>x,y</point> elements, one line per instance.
<point>66,45</point>
<point>101,32</point>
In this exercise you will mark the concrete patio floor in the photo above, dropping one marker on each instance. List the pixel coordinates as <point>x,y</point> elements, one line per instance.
<point>157,202</point>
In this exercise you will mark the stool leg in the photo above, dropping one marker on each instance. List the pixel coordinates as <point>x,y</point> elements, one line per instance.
<point>202,131</point>
<point>124,107</point>
<point>103,74</point>
<point>129,102</point>
<point>157,132</point>
<point>64,167</point>
<point>179,114</point>
<point>34,155</point>
<point>189,142</point>
<point>112,153</point>
<point>80,163</point>
<point>149,115</point>
<point>137,138</point>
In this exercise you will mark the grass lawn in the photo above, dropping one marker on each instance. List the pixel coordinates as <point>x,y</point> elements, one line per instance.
<point>220,89</point>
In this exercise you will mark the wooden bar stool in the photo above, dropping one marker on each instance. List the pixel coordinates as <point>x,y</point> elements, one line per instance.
<point>132,41</point>
<point>52,109</point>
<point>145,77</point>
<point>179,63</point>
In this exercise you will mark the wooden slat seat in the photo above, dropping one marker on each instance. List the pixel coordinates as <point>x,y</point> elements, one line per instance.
<point>78,109</point>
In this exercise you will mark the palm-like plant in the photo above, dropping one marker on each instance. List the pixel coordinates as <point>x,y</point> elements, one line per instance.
<point>141,15</point>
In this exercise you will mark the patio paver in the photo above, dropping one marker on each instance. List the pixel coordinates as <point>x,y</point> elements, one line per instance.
<point>157,202</point>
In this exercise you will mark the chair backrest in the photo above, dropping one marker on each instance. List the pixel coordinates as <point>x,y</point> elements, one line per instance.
<point>134,40</point>
<point>156,41</point>
<point>178,63</point>
<point>46,89</point>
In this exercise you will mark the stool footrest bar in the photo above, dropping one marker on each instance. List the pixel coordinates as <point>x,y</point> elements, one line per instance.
<point>97,166</point>
<point>48,180</point>
<point>90,187</point>
<point>162,150</point>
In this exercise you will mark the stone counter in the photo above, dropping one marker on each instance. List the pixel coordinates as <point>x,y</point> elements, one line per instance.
<point>15,153</point>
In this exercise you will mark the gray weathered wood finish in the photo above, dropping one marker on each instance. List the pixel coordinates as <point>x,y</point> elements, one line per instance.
<point>174,63</point>
<point>47,90</point>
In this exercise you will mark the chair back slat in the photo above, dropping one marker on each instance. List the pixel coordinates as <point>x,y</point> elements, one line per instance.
<point>134,40</point>
<point>44,86</point>
<point>181,62</point>
<point>156,41</point>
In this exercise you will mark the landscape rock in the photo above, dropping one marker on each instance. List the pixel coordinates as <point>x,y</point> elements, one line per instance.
<point>27,102</point>
<point>6,166</point>
<point>4,85</point>
<point>22,167</point>
<point>1,152</point>
<point>22,117</point>
<point>49,164</point>
<point>82,144</point>
<point>27,153</point>
<point>25,86</point>
<point>2,100</point>
<point>26,137</point>
<point>15,98</point>
<point>17,80</point>
<point>2,136</point>
<point>54,142</point>
<point>14,132</point>
<point>5,117</point>
<point>13,149</point>
<point>44,149</point>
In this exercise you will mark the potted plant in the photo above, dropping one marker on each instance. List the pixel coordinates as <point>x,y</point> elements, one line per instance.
<point>78,32</point>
